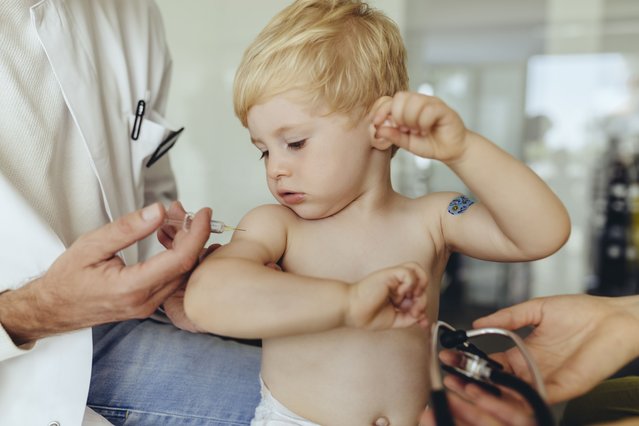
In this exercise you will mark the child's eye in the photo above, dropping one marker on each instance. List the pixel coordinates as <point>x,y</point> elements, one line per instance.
<point>264,155</point>
<point>296,145</point>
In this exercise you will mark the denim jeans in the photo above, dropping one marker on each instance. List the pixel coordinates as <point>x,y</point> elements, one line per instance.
<point>150,373</point>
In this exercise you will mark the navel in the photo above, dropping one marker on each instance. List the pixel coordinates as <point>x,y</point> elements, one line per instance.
<point>381,421</point>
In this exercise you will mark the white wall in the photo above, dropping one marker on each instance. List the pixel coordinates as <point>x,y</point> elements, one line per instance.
<point>214,161</point>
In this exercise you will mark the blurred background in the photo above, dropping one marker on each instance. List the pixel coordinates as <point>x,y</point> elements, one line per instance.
<point>554,82</point>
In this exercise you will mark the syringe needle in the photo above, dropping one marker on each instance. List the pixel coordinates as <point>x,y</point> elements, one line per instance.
<point>232,228</point>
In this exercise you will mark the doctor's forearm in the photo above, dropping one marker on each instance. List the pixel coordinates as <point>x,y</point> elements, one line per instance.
<point>21,316</point>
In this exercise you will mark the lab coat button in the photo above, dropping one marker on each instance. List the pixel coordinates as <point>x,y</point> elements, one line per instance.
<point>54,423</point>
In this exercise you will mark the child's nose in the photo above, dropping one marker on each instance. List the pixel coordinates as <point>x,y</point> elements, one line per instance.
<point>277,168</point>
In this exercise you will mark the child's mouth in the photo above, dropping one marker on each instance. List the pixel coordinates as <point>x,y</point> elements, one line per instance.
<point>292,197</point>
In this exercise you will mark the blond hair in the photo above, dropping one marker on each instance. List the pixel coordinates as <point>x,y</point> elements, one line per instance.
<point>341,52</point>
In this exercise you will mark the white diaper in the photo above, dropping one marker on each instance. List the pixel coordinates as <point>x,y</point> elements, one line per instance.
<point>271,412</point>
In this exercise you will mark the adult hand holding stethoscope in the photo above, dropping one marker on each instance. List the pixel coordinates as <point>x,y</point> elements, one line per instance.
<point>577,341</point>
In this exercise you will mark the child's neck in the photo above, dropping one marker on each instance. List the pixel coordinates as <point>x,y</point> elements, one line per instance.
<point>376,197</point>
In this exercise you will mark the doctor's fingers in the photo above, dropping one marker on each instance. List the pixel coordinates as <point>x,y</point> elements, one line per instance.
<point>529,313</point>
<point>472,410</point>
<point>464,413</point>
<point>505,410</point>
<point>166,233</point>
<point>508,399</point>
<point>159,270</point>
<point>103,243</point>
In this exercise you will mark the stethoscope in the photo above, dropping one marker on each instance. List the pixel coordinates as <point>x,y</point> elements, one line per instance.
<point>475,366</point>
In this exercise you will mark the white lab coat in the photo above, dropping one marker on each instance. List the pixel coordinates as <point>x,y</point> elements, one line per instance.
<point>106,55</point>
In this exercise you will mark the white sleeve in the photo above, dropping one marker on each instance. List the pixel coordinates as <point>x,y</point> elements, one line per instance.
<point>8,349</point>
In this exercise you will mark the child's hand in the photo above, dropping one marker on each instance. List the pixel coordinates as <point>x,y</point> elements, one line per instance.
<point>390,298</point>
<point>423,125</point>
<point>174,310</point>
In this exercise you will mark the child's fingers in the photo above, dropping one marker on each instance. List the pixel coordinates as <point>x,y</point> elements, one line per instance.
<point>415,113</point>
<point>424,323</point>
<point>418,308</point>
<point>398,107</point>
<point>407,280</point>
<point>410,296</point>
<point>420,280</point>
<point>419,275</point>
<point>411,113</point>
<point>403,319</point>
<point>415,280</point>
<point>381,110</point>
<point>429,116</point>
<point>420,299</point>
<point>407,114</point>
<point>390,133</point>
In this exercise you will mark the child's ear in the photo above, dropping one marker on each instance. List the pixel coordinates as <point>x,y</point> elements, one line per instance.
<point>378,143</point>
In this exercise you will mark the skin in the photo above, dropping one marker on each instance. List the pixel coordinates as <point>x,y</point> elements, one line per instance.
<point>89,284</point>
<point>359,259</point>
<point>568,350</point>
<point>567,346</point>
<point>174,305</point>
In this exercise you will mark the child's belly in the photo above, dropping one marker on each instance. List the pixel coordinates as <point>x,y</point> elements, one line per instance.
<point>350,377</point>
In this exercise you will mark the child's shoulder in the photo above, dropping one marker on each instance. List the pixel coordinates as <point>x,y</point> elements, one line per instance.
<point>269,213</point>
<point>443,202</point>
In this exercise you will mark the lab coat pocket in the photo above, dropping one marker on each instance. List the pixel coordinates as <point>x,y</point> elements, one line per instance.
<point>154,141</point>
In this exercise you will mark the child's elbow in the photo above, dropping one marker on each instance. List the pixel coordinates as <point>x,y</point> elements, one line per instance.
<point>193,308</point>
<point>198,302</point>
<point>206,302</point>
<point>555,237</point>
<point>562,232</point>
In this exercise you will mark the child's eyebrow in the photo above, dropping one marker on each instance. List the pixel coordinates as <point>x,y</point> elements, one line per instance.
<point>280,130</point>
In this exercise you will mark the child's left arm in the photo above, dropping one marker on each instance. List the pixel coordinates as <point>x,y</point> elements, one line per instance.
<point>519,217</point>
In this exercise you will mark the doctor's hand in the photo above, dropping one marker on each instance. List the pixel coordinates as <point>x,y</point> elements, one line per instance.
<point>89,284</point>
<point>577,340</point>
<point>471,405</point>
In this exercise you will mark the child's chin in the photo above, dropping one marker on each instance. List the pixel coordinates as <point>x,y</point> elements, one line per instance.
<point>309,214</point>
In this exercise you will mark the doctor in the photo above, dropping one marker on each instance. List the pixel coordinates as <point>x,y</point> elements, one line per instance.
<point>72,75</point>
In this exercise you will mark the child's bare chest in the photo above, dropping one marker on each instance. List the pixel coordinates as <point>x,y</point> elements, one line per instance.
<point>351,252</point>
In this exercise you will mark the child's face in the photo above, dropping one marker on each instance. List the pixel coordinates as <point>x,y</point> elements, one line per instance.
<point>316,164</point>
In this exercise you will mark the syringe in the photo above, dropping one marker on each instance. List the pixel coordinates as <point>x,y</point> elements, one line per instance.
<point>217,227</point>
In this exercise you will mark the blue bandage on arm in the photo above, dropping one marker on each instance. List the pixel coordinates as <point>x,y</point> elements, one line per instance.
<point>459,205</point>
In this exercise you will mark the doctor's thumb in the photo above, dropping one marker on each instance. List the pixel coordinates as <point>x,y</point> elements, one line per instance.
<point>105,242</point>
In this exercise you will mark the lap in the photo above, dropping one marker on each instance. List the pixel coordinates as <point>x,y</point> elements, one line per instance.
<point>147,372</point>
<point>611,400</point>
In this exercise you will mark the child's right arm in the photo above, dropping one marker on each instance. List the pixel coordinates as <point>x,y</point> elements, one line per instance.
<point>233,293</point>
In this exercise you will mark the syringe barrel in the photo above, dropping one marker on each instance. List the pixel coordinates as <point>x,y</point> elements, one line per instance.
<point>217,227</point>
